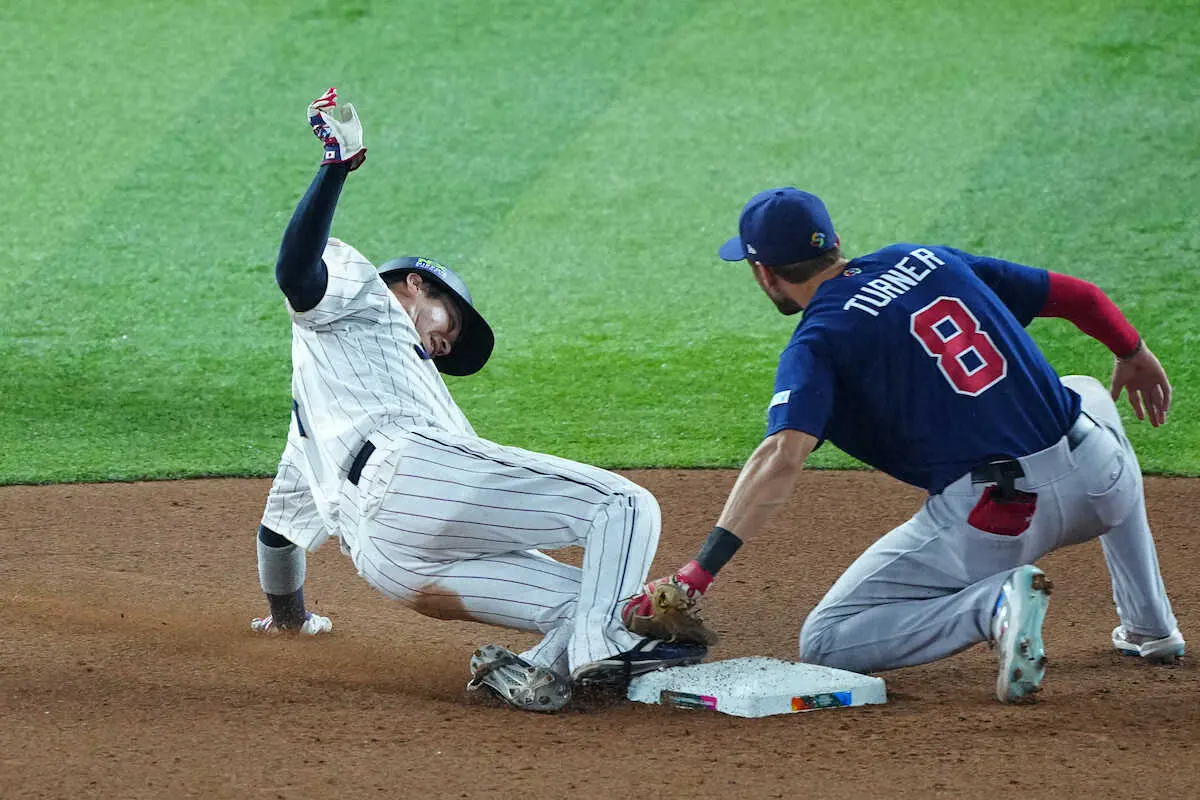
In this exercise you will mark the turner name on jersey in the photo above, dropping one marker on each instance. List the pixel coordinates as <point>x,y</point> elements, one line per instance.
<point>894,282</point>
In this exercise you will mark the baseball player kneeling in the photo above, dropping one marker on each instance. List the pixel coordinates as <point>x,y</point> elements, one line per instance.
<point>379,455</point>
<point>915,360</point>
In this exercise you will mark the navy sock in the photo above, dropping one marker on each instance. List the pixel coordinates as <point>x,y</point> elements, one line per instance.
<point>287,610</point>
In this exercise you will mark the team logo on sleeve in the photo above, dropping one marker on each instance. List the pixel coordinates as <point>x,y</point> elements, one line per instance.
<point>817,240</point>
<point>780,398</point>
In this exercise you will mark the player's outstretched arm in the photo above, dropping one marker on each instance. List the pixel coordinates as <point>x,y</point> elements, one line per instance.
<point>765,484</point>
<point>299,270</point>
<point>1137,370</point>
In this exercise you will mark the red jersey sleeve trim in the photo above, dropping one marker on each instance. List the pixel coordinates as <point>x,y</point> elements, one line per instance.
<point>1090,309</point>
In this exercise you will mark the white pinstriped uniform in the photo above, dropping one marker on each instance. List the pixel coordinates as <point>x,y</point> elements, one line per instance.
<point>441,520</point>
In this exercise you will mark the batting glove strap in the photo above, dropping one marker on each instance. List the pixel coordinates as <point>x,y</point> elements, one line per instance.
<point>339,129</point>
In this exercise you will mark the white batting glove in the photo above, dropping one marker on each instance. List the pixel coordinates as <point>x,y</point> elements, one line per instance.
<point>339,128</point>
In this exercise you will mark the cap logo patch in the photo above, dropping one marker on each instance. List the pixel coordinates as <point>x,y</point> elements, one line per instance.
<point>750,249</point>
<point>817,240</point>
<point>432,266</point>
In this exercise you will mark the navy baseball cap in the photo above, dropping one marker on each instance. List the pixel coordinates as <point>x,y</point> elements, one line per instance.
<point>476,340</point>
<point>781,226</point>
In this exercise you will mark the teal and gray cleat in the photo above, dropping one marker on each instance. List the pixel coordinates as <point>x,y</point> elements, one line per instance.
<point>1166,650</point>
<point>1017,634</point>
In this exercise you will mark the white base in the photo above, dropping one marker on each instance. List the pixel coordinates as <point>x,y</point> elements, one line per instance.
<point>757,687</point>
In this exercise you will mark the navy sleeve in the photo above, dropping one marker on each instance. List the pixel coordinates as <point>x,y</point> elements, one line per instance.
<point>803,399</point>
<point>299,271</point>
<point>1023,289</point>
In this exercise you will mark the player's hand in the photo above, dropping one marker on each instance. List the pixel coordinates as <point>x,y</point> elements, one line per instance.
<point>338,127</point>
<point>642,603</point>
<point>666,608</point>
<point>1146,382</point>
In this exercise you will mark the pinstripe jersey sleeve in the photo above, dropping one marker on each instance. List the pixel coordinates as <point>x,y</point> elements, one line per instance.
<point>352,290</point>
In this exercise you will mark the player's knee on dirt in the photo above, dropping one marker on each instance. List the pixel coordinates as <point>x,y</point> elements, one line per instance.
<point>819,639</point>
<point>812,635</point>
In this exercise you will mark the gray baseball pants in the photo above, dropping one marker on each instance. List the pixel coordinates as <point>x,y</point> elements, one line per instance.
<point>928,588</point>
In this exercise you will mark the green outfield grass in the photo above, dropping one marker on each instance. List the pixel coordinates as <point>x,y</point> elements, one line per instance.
<point>579,163</point>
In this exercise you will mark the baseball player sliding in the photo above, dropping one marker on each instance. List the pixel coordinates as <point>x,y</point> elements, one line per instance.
<point>449,524</point>
<point>915,360</point>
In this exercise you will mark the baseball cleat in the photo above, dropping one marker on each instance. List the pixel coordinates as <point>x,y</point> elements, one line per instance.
<point>1157,651</point>
<point>647,656</point>
<point>516,681</point>
<point>1017,633</point>
<point>313,624</point>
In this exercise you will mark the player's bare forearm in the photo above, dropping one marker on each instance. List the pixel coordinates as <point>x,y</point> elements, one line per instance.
<point>766,482</point>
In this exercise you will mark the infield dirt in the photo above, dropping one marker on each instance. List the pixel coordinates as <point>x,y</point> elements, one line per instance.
<point>127,670</point>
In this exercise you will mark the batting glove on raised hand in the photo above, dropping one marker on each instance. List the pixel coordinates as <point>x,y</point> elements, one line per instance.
<point>339,128</point>
<point>666,608</point>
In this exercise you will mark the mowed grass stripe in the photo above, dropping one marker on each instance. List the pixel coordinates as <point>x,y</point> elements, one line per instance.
<point>176,361</point>
<point>97,86</point>
<point>579,165</point>
<point>1109,168</point>
<point>635,322</point>
<point>118,84</point>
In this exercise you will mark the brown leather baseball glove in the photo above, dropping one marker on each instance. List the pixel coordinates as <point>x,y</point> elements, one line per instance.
<point>666,609</point>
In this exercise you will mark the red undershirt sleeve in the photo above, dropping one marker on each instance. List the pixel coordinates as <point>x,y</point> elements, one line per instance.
<point>1089,308</point>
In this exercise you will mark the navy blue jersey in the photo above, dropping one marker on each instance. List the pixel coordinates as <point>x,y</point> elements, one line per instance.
<point>916,361</point>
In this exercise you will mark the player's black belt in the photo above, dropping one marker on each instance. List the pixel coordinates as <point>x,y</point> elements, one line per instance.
<point>360,461</point>
<point>1006,470</point>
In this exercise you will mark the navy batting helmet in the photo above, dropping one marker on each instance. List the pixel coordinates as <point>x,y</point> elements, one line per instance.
<point>476,340</point>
